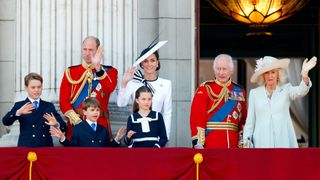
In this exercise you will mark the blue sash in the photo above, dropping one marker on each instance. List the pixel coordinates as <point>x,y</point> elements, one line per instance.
<point>224,111</point>
<point>84,92</point>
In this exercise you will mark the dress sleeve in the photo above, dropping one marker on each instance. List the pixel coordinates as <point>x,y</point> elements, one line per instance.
<point>299,91</point>
<point>162,129</point>
<point>167,109</point>
<point>128,141</point>
<point>125,94</point>
<point>251,118</point>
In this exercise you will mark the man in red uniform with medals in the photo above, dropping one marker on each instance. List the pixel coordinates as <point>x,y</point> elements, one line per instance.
<point>89,79</point>
<point>218,109</point>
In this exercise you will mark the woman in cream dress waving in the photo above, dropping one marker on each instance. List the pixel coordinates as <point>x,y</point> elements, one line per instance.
<point>268,123</point>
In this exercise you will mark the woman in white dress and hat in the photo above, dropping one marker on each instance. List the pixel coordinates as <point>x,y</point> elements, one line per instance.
<point>268,123</point>
<point>160,87</point>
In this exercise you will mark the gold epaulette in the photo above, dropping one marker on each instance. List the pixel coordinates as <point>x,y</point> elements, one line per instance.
<point>205,82</point>
<point>237,84</point>
<point>80,80</point>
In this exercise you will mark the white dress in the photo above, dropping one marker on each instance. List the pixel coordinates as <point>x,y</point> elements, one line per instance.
<point>161,101</point>
<point>268,121</point>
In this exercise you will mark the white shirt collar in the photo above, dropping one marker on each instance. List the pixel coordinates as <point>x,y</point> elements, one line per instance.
<point>32,100</point>
<point>90,122</point>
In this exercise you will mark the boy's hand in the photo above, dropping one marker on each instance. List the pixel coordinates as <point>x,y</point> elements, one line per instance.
<point>56,132</point>
<point>25,109</point>
<point>121,132</point>
<point>52,121</point>
<point>130,134</point>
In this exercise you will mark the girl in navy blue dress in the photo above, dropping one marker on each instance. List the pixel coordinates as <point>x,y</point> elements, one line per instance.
<point>145,128</point>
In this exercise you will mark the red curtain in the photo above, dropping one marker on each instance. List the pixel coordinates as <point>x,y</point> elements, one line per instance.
<point>166,163</point>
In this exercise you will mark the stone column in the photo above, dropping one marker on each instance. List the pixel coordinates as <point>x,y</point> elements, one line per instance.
<point>49,35</point>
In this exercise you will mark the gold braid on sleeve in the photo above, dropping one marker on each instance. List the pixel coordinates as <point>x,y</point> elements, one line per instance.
<point>200,136</point>
<point>73,117</point>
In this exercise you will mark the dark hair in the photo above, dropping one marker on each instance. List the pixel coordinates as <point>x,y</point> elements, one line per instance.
<point>92,37</point>
<point>155,53</point>
<point>32,76</point>
<point>90,102</point>
<point>135,107</point>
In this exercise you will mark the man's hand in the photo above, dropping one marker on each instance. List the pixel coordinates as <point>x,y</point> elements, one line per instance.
<point>25,109</point>
<point>96,59</point>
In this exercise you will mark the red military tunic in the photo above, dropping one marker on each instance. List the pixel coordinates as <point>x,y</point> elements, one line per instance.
<point>218,113</point>
<point>80,78</point>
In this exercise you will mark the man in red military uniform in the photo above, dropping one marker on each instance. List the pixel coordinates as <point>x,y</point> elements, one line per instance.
<point>218,109</point>
<point>89,79</point>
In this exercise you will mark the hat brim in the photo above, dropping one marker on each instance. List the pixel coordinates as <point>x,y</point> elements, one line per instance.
<point>148,53</point>
<point>282,63</point>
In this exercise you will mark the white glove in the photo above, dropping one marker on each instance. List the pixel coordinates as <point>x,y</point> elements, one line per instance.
<point>308,65</point>
<point>247,143</point>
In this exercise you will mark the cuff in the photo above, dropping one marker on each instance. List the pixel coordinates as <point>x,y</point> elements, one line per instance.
<point>100,73</point>
<point>63,139</point>
<point>156,145</point>
<point>118,142</point>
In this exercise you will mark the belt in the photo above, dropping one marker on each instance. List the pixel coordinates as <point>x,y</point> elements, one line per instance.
<point>222,126</point>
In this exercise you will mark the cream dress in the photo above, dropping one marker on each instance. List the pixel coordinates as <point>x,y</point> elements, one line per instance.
<point>268,121</point>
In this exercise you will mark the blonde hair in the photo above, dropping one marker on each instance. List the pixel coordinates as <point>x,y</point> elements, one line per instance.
<point>282,78</point>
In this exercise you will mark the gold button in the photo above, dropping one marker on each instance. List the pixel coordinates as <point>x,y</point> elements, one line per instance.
<point>33,126</point>
<point>33,135</point>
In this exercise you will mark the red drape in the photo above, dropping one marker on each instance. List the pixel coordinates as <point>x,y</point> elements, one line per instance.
<point>166,163</point>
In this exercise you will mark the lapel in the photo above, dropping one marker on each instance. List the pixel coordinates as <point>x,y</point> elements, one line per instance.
<point>99,129</point>
<point>89,129</point>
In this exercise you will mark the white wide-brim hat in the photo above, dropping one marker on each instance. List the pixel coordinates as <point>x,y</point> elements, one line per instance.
<point>266,64</point>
